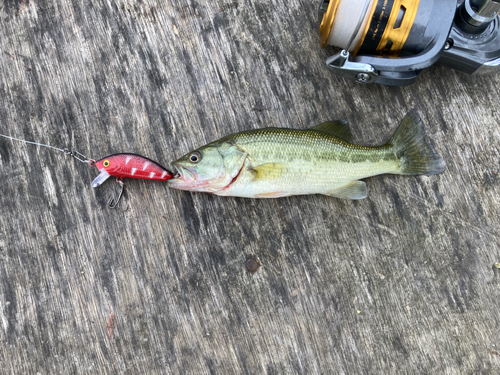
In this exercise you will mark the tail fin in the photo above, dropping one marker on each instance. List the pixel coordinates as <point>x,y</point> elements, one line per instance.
<point>412,149</point>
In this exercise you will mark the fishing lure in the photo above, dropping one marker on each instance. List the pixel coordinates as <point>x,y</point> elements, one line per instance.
<point>129,166</point>
<point>120,166</point>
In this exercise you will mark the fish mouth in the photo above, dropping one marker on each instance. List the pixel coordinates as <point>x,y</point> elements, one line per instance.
<point>183,175</point>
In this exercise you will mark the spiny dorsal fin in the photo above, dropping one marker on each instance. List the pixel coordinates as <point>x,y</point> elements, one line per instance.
<point>338,128</point>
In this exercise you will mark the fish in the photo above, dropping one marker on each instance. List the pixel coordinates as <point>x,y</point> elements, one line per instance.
<point>280,162</point>
<point>131,166</point>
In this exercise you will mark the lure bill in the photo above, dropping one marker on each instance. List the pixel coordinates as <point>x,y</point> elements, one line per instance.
<point>276,162</point>
<point>129,166</point>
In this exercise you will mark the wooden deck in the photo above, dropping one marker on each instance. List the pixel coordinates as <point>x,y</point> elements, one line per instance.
<point>401,282</point>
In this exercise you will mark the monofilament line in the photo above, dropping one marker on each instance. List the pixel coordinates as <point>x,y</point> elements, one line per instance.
<point>32,143</point>
<point>74,154</point>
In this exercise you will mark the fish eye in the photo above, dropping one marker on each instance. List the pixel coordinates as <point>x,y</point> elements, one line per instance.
<point>105,163</point>
<point>194,157</point>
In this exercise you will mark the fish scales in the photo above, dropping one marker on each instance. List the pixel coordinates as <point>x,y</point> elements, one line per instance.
<point>309,145</point>
<point>276,162</point>
<point>308,154</point>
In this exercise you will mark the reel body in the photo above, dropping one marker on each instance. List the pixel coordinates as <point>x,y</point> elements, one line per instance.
<point>394,40</point>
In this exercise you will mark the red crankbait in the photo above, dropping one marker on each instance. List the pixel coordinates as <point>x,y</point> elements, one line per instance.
<point>131,166</point>
<point>117,165</point>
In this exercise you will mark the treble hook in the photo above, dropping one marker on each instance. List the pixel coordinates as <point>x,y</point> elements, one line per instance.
<point>111,202</point>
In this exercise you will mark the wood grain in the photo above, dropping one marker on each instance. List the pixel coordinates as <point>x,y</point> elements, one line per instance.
<point>401,282</point>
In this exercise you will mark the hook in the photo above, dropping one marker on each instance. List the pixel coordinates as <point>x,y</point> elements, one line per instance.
<point>111,202</point>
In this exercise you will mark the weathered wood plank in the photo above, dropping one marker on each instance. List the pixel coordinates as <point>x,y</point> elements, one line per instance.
<point>400,282</point>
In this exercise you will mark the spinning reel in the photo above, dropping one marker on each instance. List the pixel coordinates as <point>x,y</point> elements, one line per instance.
<point>391,41</point>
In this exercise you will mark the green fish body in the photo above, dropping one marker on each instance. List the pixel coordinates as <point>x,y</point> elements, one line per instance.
<point>277,162</point>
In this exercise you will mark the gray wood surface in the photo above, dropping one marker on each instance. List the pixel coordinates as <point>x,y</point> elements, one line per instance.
<point>401,282</point>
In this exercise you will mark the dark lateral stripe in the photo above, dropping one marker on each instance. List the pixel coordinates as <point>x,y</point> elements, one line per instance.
<point>377,27</point>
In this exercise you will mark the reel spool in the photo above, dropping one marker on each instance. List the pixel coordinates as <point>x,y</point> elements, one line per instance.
<point>392,41</point>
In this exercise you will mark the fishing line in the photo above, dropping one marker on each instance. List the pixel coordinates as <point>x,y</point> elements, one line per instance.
<point>75,154</point>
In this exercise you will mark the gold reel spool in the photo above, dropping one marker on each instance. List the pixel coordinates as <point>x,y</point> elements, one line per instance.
<point>327,21</point>
<point>386,26</point>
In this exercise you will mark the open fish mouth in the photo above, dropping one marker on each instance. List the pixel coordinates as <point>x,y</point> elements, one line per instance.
<point>183,175</point>
<point>177,174</point>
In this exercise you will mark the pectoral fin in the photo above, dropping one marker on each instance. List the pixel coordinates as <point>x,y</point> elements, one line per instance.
<point>268,171</point>
<point>103,176</point>
<point>353,190</point>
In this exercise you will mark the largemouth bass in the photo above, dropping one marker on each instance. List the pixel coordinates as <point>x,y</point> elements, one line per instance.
<point>279,162</point>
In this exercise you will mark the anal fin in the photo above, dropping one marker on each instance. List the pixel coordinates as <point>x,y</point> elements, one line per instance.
<point>353,190</point>
<point>274,194</point>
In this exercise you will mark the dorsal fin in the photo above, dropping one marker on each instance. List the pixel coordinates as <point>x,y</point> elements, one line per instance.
<point>338,128</point>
